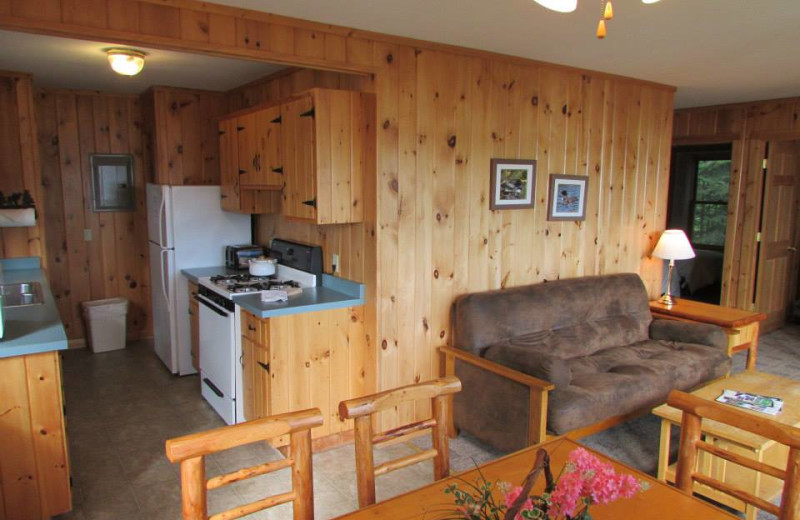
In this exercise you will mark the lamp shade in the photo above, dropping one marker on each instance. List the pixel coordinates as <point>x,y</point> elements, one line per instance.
<point>562,6</point>
<point>673,245</point>
<point>127,62</point>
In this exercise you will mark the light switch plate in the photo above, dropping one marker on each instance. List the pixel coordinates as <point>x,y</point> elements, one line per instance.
<point>87,235</point>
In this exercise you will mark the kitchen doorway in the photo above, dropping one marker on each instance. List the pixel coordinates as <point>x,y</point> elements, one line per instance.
<point>698,204</point>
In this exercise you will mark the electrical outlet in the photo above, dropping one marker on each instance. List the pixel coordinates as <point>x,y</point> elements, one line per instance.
<point>335,263</point>
<point>87,235</point>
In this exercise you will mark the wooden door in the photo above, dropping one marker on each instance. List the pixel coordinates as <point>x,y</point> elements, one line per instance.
<point>268,147</point>
<point>228,164</point>
<point>777,257</point>
<point>247,149</point>
<point>299,161</point>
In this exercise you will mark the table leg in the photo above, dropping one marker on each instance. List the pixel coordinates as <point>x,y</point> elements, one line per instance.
<point>752,352</point>
<point>663,450</point>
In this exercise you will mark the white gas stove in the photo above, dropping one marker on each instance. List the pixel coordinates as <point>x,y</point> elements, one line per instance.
<point>220,322</point>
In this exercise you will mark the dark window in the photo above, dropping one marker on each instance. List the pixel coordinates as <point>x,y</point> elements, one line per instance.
<point>710,204</point>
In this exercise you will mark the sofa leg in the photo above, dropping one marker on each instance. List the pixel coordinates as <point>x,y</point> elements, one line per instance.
<point>537,427</point>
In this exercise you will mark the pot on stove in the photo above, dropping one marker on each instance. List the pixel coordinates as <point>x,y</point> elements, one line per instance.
<point>262,266</point>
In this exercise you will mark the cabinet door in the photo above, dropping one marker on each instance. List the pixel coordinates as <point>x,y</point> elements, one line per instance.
<point>299,161</point>
<point>194,326</point>
<point>229,165</point>
<point>246,144</point>
<point>269,165</point>
<point>261,381</point>
<point>248,378</point>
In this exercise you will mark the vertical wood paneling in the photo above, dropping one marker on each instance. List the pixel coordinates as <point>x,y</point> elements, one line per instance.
<point>183,129</point>
<point>441,118</point>
<point>113,263</point>
<point>19,163</point>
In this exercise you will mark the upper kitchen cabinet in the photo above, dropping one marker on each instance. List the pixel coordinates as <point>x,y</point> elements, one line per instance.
<point>182,124</point>
<point>327,146</point>
<point>250,161</point>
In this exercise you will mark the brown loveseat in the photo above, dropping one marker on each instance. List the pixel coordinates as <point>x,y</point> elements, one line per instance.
<point>575,355</point>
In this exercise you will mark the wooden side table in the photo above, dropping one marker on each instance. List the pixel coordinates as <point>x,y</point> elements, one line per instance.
<point>746,444</point>
<point>741,326</point>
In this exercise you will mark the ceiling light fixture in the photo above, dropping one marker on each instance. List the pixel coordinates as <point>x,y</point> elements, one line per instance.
<point>127,62</point>
<point>567,6</point>
<point>562,6</point>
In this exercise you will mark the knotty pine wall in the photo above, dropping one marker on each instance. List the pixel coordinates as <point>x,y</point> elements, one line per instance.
<point>114,263</point>
<point>182,127</point>
<point>749,126</point>
<point>19,162</point>
<point>437,237</point>
<point>443,112</point>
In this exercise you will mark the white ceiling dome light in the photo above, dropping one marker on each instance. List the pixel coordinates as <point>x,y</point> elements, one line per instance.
<point>128,62</point>
<point>562,6</point>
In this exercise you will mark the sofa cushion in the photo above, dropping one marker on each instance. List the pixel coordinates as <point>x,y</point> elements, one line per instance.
<point>543,366</point>
<point>624,379</point>
<point>567,318</point>
<point>688,332</point>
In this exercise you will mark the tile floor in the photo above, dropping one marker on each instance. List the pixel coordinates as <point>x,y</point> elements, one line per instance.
<point>122,406</point>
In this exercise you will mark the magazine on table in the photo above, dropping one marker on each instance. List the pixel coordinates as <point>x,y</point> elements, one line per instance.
<point>755,402</point>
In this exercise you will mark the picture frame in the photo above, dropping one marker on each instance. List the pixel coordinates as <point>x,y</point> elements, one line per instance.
<point>567,200</point>
<point>513,183</point>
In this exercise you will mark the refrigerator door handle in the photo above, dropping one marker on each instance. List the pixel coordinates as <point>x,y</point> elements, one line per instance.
<point>164,275</point>
<point>161,221</point>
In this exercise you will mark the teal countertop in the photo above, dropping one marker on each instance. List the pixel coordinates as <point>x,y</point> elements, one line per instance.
<point>36,328</point>
<point>334,293</point>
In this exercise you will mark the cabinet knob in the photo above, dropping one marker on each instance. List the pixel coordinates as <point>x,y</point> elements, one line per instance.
<point>251,328</point>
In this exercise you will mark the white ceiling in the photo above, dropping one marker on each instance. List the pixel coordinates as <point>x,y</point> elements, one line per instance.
<point>78,64</point>
<point>714,51</point>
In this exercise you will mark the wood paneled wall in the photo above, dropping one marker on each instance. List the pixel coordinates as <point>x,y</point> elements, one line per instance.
<point>19,162</point>
<point>437,237</point>
<point>73,125</point>
<point>443,112</point>
<point>748,126</point>
<point>182,126</point>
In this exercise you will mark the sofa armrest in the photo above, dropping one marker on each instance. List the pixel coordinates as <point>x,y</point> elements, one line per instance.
<point>688,332</point>
<point>538,389</point>
<point>501,370</point>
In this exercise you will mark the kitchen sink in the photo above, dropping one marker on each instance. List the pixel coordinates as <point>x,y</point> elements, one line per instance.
<point>21,294</point>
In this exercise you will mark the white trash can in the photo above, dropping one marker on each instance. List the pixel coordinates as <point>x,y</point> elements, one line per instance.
<point>105,323</point>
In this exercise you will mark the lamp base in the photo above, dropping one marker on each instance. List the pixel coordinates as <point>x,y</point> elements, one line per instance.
<point>667,299</point>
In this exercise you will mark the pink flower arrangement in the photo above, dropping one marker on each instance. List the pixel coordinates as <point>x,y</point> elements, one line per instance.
<point>584,481</point>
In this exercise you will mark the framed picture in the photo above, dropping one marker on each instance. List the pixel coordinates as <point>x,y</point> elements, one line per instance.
<point>567,197</point>
<point>513,183</point>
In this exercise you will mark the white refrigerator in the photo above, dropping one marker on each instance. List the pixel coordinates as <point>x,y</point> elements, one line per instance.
<point>186,228</point>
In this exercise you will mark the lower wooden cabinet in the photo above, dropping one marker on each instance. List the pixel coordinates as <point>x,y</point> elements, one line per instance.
<point>312,359</point>
<point>255,379</point>
<point>34,467</point>
<point>194,326</point>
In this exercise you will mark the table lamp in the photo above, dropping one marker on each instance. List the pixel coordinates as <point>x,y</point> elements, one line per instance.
<point>673,245</point>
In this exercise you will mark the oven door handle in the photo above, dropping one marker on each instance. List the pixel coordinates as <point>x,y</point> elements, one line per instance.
<point>213,387</point>
<point>211,306</point>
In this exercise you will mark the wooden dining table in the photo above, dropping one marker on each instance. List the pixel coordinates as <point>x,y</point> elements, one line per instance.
<point>659,501</point>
